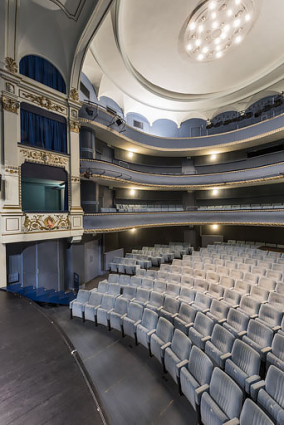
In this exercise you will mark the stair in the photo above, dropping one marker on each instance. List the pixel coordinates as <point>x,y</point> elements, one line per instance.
<point>42,295</point>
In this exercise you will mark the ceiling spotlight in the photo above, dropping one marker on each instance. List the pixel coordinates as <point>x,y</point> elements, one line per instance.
<point>200,57</point>
<point>198,43</point>
<point>237,23</point>
<point>133,230</point>
<point>192,26</point>
<point>215,25</point>
<point>189,47</point>
<point>215,192</point>
<point>230,12</point>
<point>226,28</point>
<point>212,5</point>
<point>130,155</point>
<point>247,17</point>
<point>223,35</point>
<point>218,48</point>
<point>205,49</point>
<point>213,157</point>
<point>214,14</point>
<point>200,28</point>
<point>238,39</point>
<point>215,226</point>
<point>219,54</point>
<point>217,41</point>
<point>237,1</point>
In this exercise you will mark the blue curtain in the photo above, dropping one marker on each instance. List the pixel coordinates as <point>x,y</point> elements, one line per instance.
<point>43,132</point>
<point>41,70</point>
<point>66,197</point>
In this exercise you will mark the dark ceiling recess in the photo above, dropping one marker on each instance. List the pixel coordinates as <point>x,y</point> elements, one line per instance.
<point>265,151</point>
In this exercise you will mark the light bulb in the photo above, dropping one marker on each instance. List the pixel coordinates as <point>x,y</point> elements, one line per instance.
<point>200,57</point>
<point>226,28</point>
<point>130,154</point>
<point>198,43</point>
<point>205,49</point>
<point>237,22</point>
<point>247,17</point>
<point>238,39</point>
<point>212,5</point>
<point>200,28</point>
<point>189,47</point>
<point>219,55</point>
<point>217,41</point>
<point>132,192</point>
<point>215,226</point>
<point>215,25</point>
<point>230,12</point>
<point>192,26</point>
<point>214,14</point>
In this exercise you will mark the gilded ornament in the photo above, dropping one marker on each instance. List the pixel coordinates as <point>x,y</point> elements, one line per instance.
<point>11,65</point>
<point>74,126</point>
<point>40,222</point>
<point>74,95</point>
<point>44,102</point>
<point>44,157</point>
<point>10,105</point>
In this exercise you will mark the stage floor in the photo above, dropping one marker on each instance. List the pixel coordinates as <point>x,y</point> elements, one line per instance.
<point>41,383</point>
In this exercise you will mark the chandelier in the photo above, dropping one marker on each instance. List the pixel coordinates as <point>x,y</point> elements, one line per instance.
<point>217,26</point>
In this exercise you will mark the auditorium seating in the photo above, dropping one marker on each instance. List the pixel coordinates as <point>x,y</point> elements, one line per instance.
<point>201,330</point>
<point>276,355</point>
<point>259,337</point>
<point>177,354</point>
<point>132,320</point>
<point>76,306</point>
<point>118,313</point>
<point>147,327</point>
<point>161,339</point>
<point>185,317</point>
<point>220,346</point>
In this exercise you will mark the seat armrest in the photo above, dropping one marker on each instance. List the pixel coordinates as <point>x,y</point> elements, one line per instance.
<point>174,315</point>
<point>151,332</point>
<point>276,328</point>
<point>242,333</point>
<point>110,311</point>
<point>188,325</point>
<point>160,308</point>
<point>226,356</point>
<point>181,364</point>
<point>266,350</point>
<point>233,421</point>
<point>71,304</point>
<point>206,338</point>
<point>222,321</point>
<point>137,323</point>
<point>205,310</point>
<point>235,305</point>
<point>263,302</point>
<point>250,381</point>
<point>168,344</point>
<point>254,316</point>
<point>199,391</point>
<point>123,316</point>
<point>254,389</point>
<point>219,298</point>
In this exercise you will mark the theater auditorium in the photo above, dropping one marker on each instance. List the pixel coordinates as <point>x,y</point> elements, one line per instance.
<point>142,212</point>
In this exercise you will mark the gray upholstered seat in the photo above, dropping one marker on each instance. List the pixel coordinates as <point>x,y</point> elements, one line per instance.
<point>185,317</point>
<point>113,278</point>
<point>276,301</point>
<point>242,287</point>
<point>269,394</point>
<point>90,308</point>
<point>220,345</point>
<point>215,291</point>
<point>147,327</point>
<point>276,356</point>
<point>259,337</point>
<point>160,286</point>
<point>237,323</point>
<point>267,283</point>
<point>236,274</point>
<point>118,313</point>
<point>133,318</point>
<point>200,285</point>
<point>187,295</point>
<point>156,301</point>
<point>147,283</point>
<point>232,298</point>
<point>212,277</point>
<point>142,296</point>
<point>187,279</point>
<point>177,354</point>
<point>280,288</point>
<point>103,287</point>
<point>251,278</point>
<point>195,377</point>
<point>218,311</point>
<point>124,279</point>
<point>105,308</point>
<point>141,272</point>
<point>152,274</point>
<point>269,316</point>
<point>227,282</point>
<point>174,277</point>
<point>170,308</point>
<point>202,302</point>
<point>201,330</point>
<point>113,289</point>
<point>128,292</point>
<point>259,293</point>
<point>135,281</point>
<point>161,338</point>
<point>77,306</point>
<point>243,366</point>
<point>223,402</point>
<point>173,290</point>
<point>249,306</point>
<point>252,414</point>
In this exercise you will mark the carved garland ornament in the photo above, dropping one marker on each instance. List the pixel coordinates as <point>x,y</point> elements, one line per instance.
<point>11,65</point>
<point>44,157</point>
<point>46,223</point>
<point>75,126</point>
<point>10,105</point>
<point>74,94</point>
<point>44,102</point>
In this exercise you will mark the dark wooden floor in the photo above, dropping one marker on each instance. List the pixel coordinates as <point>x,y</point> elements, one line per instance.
<point>40,381</point>
<point>131,386</point>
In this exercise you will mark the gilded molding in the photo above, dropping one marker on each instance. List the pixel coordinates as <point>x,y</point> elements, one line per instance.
<point>75,179</point>
<point>74,126</point>
<point>10,105</point>
<point>43,157</point>
<point>44,102</point>
<point>11,169</point>
<point>11,65</point>
<point>74,95</point>
<point>46,222</point>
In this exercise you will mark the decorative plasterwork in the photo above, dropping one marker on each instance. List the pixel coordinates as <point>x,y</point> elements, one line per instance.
<point>43,101</point>
<point>10,105</point>
<point>74,95</point>
<point>43,157</point>
<point>75,179</point>
<point>75,126</point>
<point>11,169</point>
<point>46,222</point>
<point>11,65</point>
<point>71,15</point>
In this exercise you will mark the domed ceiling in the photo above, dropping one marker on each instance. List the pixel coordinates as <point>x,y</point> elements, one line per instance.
<point>179,60</point>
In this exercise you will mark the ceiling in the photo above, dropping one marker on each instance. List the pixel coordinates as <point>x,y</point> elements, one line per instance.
<point>138,59</point>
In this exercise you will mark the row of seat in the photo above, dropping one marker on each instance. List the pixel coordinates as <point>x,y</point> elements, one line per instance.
<point>241,207</point>
<point>190,367</point>
<point>148,208</point>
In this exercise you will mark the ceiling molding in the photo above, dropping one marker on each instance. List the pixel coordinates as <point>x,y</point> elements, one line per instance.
<point>75,16</point>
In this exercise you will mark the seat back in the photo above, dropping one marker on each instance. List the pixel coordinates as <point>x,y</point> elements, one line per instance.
<point>246,358</point>
<point>237,319</point>
<point>244,267</point>
<point>200,366</point>
<point>215,290</point>
<point>223,270</point>
<point>103,287</point>
<point>181,345</point>
<point>274,385</point>
<point>270,315</point>
<point>113,289</point>
<point>259,293</point>
<point>278,346</point>
<point>219,309</point>
<point>231,297</point>
<point>113,278</point>
<point>95,298</point>
<point>160,286</point>
<point>162,275</point>
<point>187,280</point>
<point>280,288</point>
<point>165,330</point>
<point>186,313</point>
<point>171,305</point>
<point>212,277</point>
<point>227,282</point>
<point>173,289</point>
<point>124,279</point>
<point>202,300</point>
<point>272,274</point>
<point>222,339</point>
<point>120,306</point>
<point>152,274</point>
<point>107,301</point>
<point>203,324</point>
<point>237,274</point>
<point>187,294</point>
<point>135,281</point>
<point>135,311</point>
<point>258,270</point>
<point>147,283</point>
<point>252,414</point>
<point>142,295</point>
<point>83,296</point>
<point>251,278</point>
<point>140,272</point>
<point>149,319</point>
<point>259,333</point>
<point>200,285</point>
<point>226,393</point>
<point>242,287</point>
<point>156,299</point>
<point>266,283</point>
<point>249,305</point>
<point>276,300</point>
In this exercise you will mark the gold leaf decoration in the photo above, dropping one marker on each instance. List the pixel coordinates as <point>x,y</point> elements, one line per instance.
<point>41,222</point>
<point>44,102</point>
<point>11,65</point>
<point>74,95</point>
<point>10,105</point>
<point>43,157</point>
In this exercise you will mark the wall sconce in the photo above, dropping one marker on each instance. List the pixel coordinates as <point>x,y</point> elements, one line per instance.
<point>215,226</point>
<point>132,192</point>
<point>133,230</point>
<point>130,155</point>
<point>213,157</point>
<point>215,192</point>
